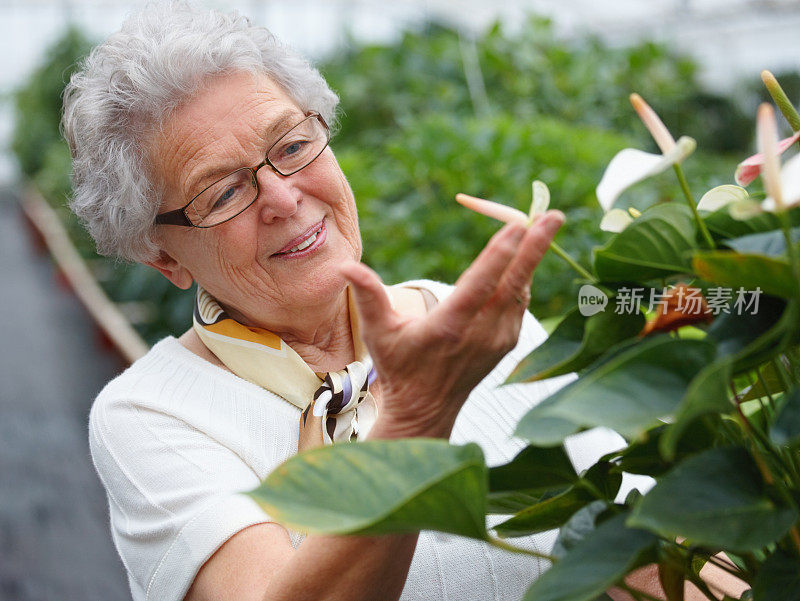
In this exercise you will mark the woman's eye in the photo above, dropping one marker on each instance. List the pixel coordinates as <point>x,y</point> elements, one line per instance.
<point>224,198</point>
<point>294,148</point>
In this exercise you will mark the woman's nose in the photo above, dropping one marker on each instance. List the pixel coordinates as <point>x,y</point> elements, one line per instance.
<point>278,195</point>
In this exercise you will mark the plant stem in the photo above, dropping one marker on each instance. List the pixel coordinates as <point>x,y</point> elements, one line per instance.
<point>690,201</point>
<point>764,468</point>
<point>572,262</point>
<point>501,544</point>
<point>762,381</point>
<point>791,249</point>
<point>780,368</point>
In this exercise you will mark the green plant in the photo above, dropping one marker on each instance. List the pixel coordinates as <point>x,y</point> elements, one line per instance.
<point>705,388</point>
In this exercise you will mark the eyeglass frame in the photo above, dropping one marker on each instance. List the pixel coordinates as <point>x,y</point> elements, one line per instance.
<point>179,217</point>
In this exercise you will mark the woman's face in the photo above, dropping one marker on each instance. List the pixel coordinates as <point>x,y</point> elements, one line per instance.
<point>246,263</point>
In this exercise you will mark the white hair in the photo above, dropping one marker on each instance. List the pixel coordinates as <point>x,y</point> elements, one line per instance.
<point>131,83</point>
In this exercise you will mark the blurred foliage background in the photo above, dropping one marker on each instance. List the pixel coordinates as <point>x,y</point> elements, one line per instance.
<point>437,113</point>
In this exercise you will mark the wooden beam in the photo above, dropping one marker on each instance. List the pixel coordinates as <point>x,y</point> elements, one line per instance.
<point>105,313</point>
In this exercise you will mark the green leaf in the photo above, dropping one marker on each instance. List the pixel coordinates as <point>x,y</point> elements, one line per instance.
<point>546,515</point>
<point>770,244</point>
<point>657,244</point>
<point>378,487</point>
<point>707,393</point>
<point>533,472</point>
<point>778,579</point>
<point>715,498</point>
<point>643,456</point>
<point>575,343</point>
<point>748,271</point>
<point>604,478</point>
<point>628,393</point>
<point>786,429</point>
<point>578,527</point>
<point>751,339</point>
<point>721,223</point>
<point>596,563</point>
<point>768,383</point>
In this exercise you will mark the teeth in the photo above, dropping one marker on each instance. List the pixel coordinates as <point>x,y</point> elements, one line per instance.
<point>305,243</point>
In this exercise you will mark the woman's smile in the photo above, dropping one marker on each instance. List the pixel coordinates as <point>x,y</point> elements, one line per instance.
<point>304,244</point>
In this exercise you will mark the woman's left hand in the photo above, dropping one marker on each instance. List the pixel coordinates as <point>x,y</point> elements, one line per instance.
<point>428,365</point>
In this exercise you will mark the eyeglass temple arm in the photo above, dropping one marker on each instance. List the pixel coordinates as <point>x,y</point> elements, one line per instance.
<point>176,217</point>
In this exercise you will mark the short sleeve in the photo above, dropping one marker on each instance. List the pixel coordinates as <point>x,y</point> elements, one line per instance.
<point>175,495</point>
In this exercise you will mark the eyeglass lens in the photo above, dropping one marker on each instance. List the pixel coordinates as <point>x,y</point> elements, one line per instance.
<point>232,194</point>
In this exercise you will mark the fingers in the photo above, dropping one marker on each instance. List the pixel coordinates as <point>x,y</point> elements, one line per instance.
<point>479,281</point>
<point>371,299</point>
<point>516,279</point>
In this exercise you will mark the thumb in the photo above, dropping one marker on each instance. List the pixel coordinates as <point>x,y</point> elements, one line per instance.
<point>371,300</point>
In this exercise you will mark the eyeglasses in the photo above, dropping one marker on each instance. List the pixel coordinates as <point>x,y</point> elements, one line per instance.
<point>228,196</point>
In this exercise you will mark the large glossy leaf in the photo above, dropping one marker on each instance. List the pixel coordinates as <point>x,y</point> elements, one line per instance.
<point>595,563</point>
<point>657,244</point>
<point>748,271</point>
<point>523,480</point>
<point>786,429</point>
<point>778,579</point>
<point>628,393</point>
<point>721,223</point>
<point>578,527</point>
<point>716,498</point>
<point>707,393</point>
<point>643,456</point>
<point>379,486</point>
<point>546,515</point>
<point>576,342</point>
<point>748,340</point>
<point>771,244</point>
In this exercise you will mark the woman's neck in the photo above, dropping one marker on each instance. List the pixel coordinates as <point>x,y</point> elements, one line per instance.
<point>320,334</point>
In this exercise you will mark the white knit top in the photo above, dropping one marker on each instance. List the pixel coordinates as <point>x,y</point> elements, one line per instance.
<point>176,440</point>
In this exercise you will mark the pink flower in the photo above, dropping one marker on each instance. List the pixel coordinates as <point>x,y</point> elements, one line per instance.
<point>750,168</point>
<point>782,184</point>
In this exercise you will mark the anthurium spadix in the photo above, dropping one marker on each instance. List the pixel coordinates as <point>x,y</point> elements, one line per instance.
<point>540,201</point>
<point>631,165</point>
<point>782,185</point>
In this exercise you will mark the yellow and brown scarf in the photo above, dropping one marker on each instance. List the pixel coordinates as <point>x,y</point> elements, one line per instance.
<point>336,406</point>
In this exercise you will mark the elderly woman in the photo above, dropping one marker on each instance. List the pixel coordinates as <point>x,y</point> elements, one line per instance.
<point>200,148</point>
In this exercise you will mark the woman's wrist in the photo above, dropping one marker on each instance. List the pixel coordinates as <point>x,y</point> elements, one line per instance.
<point>388,427</point>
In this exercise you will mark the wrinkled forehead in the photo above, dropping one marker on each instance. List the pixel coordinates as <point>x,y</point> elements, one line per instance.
<point>227,124</point>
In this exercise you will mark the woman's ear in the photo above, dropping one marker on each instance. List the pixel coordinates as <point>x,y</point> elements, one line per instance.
<point>171,269</point>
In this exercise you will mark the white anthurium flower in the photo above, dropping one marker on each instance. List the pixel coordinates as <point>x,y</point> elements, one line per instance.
<point>744,209</point>
<point>722,196</point>
<point>539,204</point>
<point>630,165</point>
<point>540,199</point>
<point>782,185</point>
<point>789,186</point>
<point>617,220</point>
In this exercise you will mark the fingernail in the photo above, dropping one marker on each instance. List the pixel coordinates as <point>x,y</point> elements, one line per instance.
<point>555,219</point>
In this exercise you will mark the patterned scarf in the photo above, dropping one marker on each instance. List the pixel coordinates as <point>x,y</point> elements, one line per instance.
<point>336,406</point>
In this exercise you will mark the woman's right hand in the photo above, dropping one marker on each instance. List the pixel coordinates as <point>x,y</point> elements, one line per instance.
<point>428,365</point>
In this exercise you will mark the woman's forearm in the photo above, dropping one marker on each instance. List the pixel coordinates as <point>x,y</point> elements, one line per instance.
<point>345,568</point>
